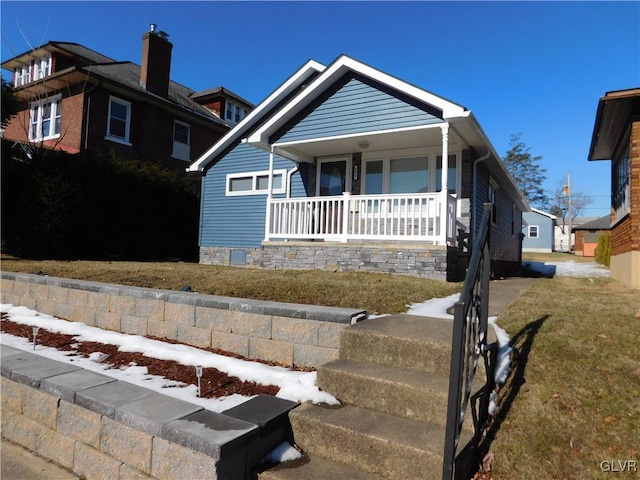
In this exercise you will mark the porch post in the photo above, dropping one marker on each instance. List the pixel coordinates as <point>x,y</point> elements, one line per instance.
<point>445,187</point>
<point>267,217</point>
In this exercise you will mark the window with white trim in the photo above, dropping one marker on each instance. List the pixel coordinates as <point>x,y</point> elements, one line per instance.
<point>255,183</point>
<point>533,231</point>
<point>493,198</point>
<point>32,71</point>
<point>621,184</point>
<point>119,120</point>
<point>408,171</point>
<point>181,140</point>
<point>45,119</point>
<point>234,112</point>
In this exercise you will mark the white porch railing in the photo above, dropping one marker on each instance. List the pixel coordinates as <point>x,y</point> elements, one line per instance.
<point>414,217</point>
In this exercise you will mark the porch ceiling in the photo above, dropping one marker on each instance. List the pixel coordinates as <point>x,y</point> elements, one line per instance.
<point>307,150</point>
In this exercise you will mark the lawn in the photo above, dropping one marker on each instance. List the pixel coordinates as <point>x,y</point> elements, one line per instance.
<point>571,407</point>
<point>373,292</point>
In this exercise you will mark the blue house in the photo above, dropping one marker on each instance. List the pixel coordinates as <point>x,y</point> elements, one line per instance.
<point>344,167</point>
<point>538,230</point>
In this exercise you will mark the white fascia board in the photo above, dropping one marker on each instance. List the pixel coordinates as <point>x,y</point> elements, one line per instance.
<point>256,114</point>
<point>332,73</point>
<point>536,210</point>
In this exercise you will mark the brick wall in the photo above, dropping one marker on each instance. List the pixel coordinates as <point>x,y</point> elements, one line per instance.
<point>287,334</point>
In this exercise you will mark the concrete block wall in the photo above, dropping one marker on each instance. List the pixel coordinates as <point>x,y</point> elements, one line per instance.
<point>289,334</point>
<point>414,260</point>
<point>101,428</point>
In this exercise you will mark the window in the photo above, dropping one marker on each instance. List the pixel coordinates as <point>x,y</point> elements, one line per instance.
<point>621,184</point>
<point>255,183</point>
<point>492,197</point>
<point>419,171</point>
<point>533,231</point>
<point>181,140</point>
<point>409,175</point>
<point>452,179</point>
<point>45,119</point>
<point>119,121</point>
<point>32,71</point>
<point>234,112</point>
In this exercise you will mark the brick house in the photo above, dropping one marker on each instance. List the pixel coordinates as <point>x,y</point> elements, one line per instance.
<point>587,235</point>
<point>74,99</point>
<point>616,137</point>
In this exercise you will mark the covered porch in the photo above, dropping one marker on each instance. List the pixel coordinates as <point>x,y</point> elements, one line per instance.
<point>401,185</point>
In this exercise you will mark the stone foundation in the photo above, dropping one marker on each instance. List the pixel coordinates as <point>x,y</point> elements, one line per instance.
<point>427,261</point>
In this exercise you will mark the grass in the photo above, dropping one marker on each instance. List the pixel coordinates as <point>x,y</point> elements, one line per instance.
<point>375,293</point>
<point>573,398</point>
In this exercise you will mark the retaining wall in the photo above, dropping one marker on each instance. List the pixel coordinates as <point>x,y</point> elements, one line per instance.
<point>102,428</point>
<point>289,334</point>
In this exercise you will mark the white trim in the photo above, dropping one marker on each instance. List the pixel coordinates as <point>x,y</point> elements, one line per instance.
<point>254,183</point>
<point>115,138</point>
<point>537,228</point>
<point>38,105</point>
<point>341,66</point>
<point>180,150</point>
<point>256,114</point>
<point>553,217</point>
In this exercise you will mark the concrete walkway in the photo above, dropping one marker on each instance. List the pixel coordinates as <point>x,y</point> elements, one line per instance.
<point>18,463</point>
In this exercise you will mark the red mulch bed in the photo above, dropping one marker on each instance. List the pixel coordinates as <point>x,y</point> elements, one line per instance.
<point>213,384</point>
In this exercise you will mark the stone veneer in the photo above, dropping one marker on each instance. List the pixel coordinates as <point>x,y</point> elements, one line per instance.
<point>428,261</point>
<point>289,334</point>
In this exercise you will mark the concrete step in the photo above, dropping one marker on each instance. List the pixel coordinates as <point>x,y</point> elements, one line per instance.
<point>316,468</point>
<point>405,341</point>
<point>401,392</point>
<point>373,442</point>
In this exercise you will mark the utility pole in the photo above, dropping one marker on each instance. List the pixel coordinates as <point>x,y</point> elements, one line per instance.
<point>567,191</point>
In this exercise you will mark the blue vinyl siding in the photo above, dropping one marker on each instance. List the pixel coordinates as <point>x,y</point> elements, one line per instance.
<point>545,232</point>
<point>356,108</point>
<point>238,221</point>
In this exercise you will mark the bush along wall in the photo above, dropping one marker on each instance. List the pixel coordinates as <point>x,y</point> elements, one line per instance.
<point>89,206</point>
<point>603,249</point>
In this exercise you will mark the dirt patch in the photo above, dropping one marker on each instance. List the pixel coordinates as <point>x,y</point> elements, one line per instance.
<point>213,384</point>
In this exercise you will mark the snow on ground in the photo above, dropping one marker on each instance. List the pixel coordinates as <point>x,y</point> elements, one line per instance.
<point>568,269</point>
<point>295,386</point>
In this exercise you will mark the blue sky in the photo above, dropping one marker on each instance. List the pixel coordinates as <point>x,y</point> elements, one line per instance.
<point>536,68</point>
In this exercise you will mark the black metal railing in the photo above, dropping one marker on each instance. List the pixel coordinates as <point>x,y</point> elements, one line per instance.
<point>469,344</point>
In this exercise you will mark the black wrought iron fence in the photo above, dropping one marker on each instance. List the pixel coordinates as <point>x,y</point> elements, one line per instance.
<point>469,344</point>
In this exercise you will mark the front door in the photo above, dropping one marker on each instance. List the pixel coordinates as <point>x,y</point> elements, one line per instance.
<point>333,177</point>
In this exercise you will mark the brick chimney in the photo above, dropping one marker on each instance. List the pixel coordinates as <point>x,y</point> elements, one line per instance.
<point>156,62</point>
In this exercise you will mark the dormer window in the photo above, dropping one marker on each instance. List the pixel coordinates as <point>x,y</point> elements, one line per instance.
<point>234,112</point>
<point>32,71</point>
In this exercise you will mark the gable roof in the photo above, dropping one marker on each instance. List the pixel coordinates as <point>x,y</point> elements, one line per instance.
<point>259,114</point>
<point>602,223</point>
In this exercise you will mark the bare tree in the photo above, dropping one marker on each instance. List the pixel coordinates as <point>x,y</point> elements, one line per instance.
<point>568,204</point>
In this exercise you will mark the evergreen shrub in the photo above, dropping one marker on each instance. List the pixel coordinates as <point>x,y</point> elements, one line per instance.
<point>603,249</point>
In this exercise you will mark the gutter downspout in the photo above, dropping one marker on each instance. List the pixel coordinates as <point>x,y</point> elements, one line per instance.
<point>472,230</point>
<point>290,173</point>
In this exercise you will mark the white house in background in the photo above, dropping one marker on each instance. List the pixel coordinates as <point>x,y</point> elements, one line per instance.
<point>561,234</point>
<point>538,229</point>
